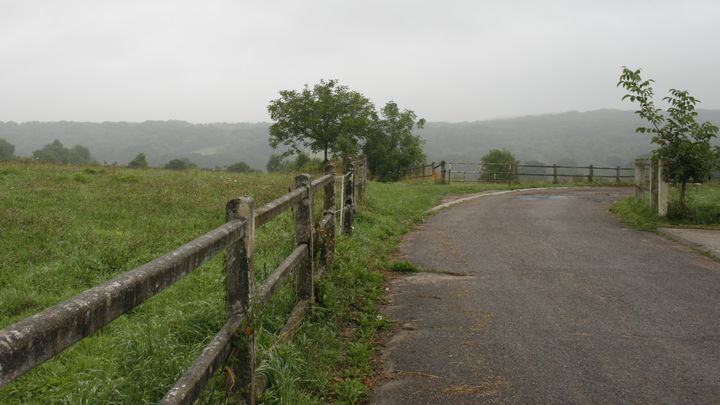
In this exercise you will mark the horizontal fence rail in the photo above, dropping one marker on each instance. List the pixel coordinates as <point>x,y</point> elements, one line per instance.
<point>446,172</point>
<point>34,340</point>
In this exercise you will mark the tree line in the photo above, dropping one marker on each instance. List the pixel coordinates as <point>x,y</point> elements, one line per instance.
<point>56,153</point>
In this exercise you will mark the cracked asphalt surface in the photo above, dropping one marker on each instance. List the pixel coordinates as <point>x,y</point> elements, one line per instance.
<point>543,297</point>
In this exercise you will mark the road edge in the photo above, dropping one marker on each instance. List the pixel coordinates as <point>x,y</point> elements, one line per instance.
<point>698,247</point>
<point>475,196</point>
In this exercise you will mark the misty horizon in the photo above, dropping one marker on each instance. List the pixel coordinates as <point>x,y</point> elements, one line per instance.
<point>462,61</point>
<point>510,117</point>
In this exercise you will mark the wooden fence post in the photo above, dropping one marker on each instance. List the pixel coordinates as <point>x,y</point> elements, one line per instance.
<point>555,176</point>
<point>662,190</point>
<point>443,173</point>
<point>239,283</point>
<point>590,174</point>
<point>432,169</point>
<point>348,202</point>
<point>639,178</point>
<point>366,170</point>
<point>363,179</point>
<point>328,251</point>
<point>515,172</point>
<point>304,234</point>
<point>617,174</point>
<point>654,185</point>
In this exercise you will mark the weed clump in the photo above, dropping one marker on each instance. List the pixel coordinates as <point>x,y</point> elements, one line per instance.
<point>403,266</point>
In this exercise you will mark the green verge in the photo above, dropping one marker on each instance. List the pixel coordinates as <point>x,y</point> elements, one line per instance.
<point>703,210</point>
<point>68,228</point>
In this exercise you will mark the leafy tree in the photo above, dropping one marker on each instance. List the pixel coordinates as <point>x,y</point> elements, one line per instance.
<point>301,160</point>
<point>55,152</point>
<point>81,154</point>
<point>683,144</point>
<point>275,164</point>
<point>241,167</point>
<point>180,164</point>
<point>391,146</point>
<point>7,150</point>
<point>327,117</point>
<point>139,162</point>
<point>497,165</point>
<point>301,163</point>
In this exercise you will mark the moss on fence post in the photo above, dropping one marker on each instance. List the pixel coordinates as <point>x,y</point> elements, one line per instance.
<point>239,283</point>
<point>304,235</point>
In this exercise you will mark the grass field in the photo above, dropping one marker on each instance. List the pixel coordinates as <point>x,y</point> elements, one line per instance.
<point>64,229</point>
<point>703,210</point>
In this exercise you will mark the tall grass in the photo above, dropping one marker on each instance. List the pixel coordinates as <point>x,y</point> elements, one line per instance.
<point>64,229</point>
<point>703,209</point>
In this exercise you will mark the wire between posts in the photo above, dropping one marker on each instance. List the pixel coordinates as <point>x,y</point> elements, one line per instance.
<point>342,194</point>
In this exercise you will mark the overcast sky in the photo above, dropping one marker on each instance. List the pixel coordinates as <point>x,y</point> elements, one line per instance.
<point>213,61</point>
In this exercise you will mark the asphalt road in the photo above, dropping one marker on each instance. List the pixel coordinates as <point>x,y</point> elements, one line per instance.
<point>543,297</point>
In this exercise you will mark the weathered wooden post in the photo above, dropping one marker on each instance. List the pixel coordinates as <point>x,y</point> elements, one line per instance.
<point>361,181</point>
<point>239,283</point>
<point>617,174</point>
<point>515,172</point>
<point>443,172</point>
<point>555,176</point>
<point>639,178</point>
<point>662,190</point>
<point>654,182</point>
<point>366,168</point>
<point>364,176</point>
<point>348,201</point>
<point>328,251</point>
<point>590,174</point>
<point>432,169</point>
<point>304,235</point>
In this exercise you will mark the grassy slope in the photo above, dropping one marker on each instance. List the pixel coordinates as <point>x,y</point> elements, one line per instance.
<point>65,229</point>
<point>704,210</point>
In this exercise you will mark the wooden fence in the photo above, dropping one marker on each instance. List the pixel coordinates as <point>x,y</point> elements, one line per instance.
<point>427,170</point>
<point>448,172</point>
<point>34,340</point>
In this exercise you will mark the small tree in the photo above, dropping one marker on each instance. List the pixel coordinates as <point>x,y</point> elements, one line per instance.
<point>55,152</point>
<point>683,144</point>
<point>328,118</point>
<point>301,163</point>
<point>497,165</point>
<point>275,164</point>
<point>241,167</point>
<point>139,162</point>
<point>7,150</point>
<point>391,147</point>
<point>180,164</point>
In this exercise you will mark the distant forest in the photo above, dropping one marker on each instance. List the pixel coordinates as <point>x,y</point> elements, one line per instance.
<point>602,137</point>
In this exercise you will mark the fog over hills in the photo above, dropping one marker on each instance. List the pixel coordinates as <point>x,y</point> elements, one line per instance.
<point>601,137</point>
